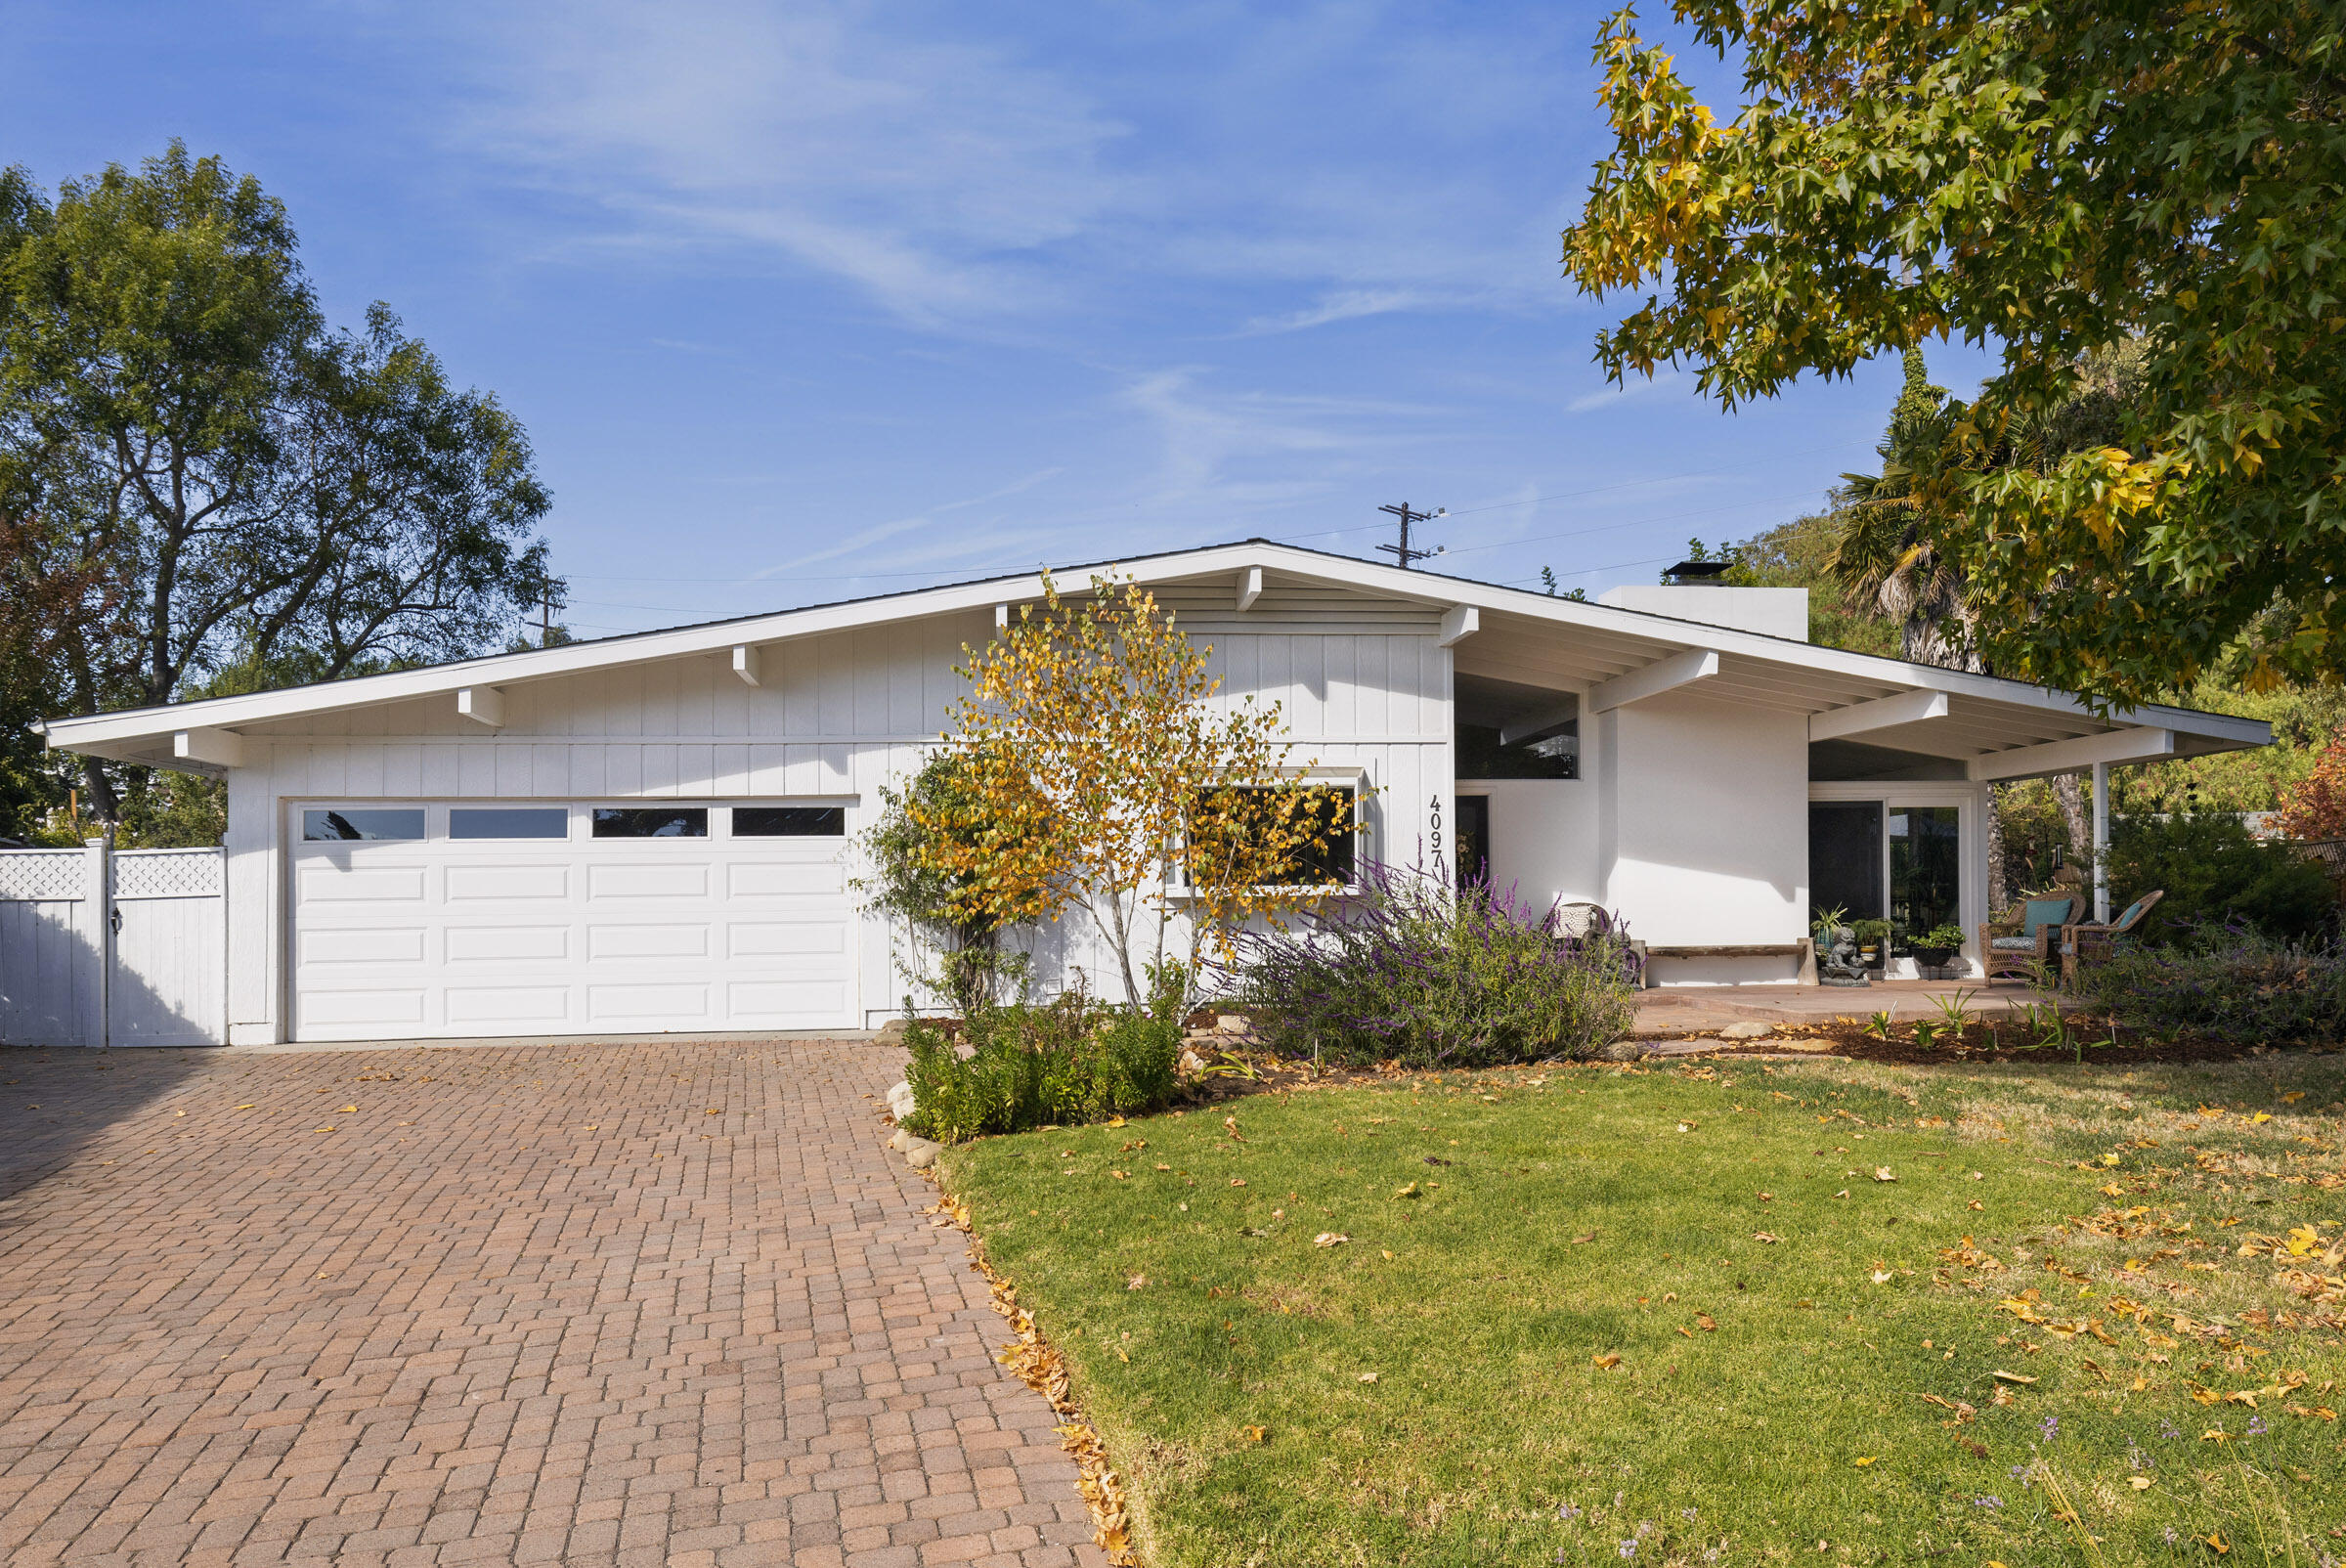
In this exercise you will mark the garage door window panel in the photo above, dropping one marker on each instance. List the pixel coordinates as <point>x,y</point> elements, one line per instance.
<point>356,825</point>
<point>651,822</point>
<point>509,822</point>
<point>790,821</point>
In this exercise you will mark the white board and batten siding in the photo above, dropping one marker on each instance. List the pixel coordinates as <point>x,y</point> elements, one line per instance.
<point>834,716</point>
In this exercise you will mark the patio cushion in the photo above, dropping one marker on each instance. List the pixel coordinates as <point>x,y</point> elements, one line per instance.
<point>2013,944</point>
<point>2043,912</point>
<point>2125,922</point>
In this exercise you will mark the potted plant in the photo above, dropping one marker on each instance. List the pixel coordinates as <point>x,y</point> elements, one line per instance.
<point>1873,940</point>
<point>1938,945</point>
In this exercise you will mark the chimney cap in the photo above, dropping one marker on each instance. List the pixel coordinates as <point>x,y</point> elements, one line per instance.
<point>1691,573</point>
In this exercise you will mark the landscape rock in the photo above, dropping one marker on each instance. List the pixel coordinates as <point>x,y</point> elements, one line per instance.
<point>1622,1050</point>
<point>892,1033</point>
<point>1747,1029</point>
<point>922,1154</point>
<point>1191,1061</point>
<point>900,1100</point>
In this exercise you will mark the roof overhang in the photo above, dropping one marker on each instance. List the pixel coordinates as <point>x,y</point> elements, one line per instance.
<point>1998,728</point>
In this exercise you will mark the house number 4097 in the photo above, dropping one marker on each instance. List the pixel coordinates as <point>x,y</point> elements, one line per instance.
<point>1434,819</point>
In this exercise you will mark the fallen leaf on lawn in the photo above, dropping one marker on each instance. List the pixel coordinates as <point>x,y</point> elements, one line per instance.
<point>1238,1181</point>
<point>1409,1191</point>
<point>1583,1241</point>
<point>1766,1238</point>
<point>1252,1434</point>
<point>1388,1257</point>
<point>1882,1173</point>
<point>1164,1168</point>
<point>1139,1282</point>
<point>1706,1322</point>
<point>1844,1193</point>
<point>1606,1361</point>
<point>1767,1198</point>
<point>1232,1124</point>
<point>1686,1127</point>
<point>2109,1159</point>
<point>1366,1378</point>
<point>1880,1276</point>
<point>1329,1239</point>
<point>1119,1175</point>
<point>2292,1096</point>
<point>1864,1460</point>
<point>1116,1121</point>
<point>2261,1117</point>
<point>2011,1378</point>
<point>2215,1539</point>
<point>2140,1483</point>
<point>1975,1204</point>
<point>1688,1332</point>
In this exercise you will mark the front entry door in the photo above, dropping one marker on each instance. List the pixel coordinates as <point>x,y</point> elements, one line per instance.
<point>1474,839</point>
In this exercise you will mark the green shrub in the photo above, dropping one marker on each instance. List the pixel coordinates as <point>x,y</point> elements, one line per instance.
<point>1416,973</point>
<point>1067,1062</point>
<point>2224,982</point>
<point>2214,872</point>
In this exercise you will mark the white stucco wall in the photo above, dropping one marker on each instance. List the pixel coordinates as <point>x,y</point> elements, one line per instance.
<point>1771,612</point>
<point>1542,839</point>
<point>1703,835</point>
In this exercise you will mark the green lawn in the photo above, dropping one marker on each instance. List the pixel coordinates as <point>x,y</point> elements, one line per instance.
<point>1441,1389</point>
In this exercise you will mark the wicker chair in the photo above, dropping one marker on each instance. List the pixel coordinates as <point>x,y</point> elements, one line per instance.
<point>2092,942</point>
<point>2026,940</point>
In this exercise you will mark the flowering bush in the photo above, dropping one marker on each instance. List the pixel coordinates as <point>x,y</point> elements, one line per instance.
<point>1069,1062</point>
<point>1415,972</point>
<point>2225,982</point>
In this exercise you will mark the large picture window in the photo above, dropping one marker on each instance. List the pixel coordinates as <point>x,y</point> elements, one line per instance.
<point>1332,858</point>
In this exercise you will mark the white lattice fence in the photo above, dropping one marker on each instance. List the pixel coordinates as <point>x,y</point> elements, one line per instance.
<point>167,874</point>
<point>104,948</point>
<point>43,876</point>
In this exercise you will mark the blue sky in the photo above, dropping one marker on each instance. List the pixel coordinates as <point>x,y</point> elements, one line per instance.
<point>810,300</point>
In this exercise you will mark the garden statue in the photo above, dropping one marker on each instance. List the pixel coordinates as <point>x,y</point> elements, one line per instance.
<point>1839,963</point>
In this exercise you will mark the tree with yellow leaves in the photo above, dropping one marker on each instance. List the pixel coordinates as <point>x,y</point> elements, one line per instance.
<point>1102,774</point>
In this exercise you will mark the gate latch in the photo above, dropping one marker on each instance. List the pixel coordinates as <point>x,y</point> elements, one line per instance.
<point>114,918</point>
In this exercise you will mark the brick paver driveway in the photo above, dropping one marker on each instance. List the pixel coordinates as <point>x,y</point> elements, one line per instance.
<point>641,1303</point>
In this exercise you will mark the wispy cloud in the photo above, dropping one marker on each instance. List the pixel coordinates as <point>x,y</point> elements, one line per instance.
<point>1637,388</point>
<point>916,168</point>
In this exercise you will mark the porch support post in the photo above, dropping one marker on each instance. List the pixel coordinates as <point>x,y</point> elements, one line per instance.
<point>2101,843</point>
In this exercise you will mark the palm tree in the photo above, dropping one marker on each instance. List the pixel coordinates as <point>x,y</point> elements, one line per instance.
<point>1885,560</point>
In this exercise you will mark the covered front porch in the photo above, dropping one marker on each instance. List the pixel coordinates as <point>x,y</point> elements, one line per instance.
<point>1717,789</point>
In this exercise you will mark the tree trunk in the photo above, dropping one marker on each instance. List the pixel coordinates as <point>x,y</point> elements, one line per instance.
<point>1999,892</point>
<point>2069,790</point>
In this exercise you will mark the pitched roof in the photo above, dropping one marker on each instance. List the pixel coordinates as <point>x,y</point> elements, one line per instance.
<point>1577,643</point>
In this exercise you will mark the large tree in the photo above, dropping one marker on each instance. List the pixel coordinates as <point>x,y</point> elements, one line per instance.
<point>2062,180</point>
<point>204,484</point>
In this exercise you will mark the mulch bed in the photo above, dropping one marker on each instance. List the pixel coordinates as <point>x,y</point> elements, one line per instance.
<point>2011,1042</point>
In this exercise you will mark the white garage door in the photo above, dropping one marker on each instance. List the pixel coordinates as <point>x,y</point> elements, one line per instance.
<point>451,919</point>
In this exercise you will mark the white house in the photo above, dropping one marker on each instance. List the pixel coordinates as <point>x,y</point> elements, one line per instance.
<point>654,832</point>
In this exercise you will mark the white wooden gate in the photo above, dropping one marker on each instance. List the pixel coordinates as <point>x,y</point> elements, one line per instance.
<point>103,947</point>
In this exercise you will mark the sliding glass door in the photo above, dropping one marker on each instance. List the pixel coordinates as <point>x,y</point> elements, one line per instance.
<point>1926,870</point>
<point>1900,853</point>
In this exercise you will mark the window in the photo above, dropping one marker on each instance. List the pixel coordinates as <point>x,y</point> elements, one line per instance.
<point>1924,867</point>
<point>1480,754</point>
<point>349,822</point>
<point>790,821</point>
<point>509,822</point>
<point>1331,859</point>
<point>651,822</point>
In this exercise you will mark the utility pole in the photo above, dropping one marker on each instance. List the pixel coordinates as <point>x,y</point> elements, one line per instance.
<point>1402,552</point>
